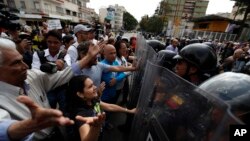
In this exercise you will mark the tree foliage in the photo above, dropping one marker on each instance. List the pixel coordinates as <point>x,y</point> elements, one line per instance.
<point>244,8</point>
<point>163,10</point>
<point>152,24</point>
<point>155,24</point>
<point>143,23</point>
<point>129,22</point>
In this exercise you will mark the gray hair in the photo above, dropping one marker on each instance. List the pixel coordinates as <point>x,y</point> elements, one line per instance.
<point>5,44</point>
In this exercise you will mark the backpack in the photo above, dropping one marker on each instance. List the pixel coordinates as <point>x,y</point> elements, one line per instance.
<point>43,59</point>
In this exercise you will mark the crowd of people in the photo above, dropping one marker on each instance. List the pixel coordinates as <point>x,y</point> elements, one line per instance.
<point>56,84</point>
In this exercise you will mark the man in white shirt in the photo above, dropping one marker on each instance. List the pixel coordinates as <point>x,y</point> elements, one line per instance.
<point>81,32</point>
<point>173,47</point>
<point>53,53</point>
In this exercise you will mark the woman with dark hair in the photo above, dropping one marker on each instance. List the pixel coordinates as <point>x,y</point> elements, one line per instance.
<point>82,100</point>
<point>122,52</point>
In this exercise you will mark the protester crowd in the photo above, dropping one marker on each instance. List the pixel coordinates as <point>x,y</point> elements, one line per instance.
<point>57,84</point>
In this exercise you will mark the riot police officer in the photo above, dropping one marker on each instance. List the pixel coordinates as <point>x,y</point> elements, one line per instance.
<point>196,62</point>
<point>232,88</point>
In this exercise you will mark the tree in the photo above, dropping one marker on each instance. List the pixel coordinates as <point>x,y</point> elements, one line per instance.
<point>129,22</point>
<point>152,24</point>
<point>155,24</point>
<point>163,10</point>
<point>143,23</point>
<point>244,8</point>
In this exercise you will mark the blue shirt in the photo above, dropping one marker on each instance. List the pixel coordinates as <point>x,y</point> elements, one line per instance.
<point>4,125</point>
<point>110,91</point>
<point>95,72</point>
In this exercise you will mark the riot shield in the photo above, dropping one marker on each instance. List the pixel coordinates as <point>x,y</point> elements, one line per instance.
<point>143,53</point>
<point>172,109</point>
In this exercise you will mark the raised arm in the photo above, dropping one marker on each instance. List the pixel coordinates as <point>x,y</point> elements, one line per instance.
<point>116,108</point>
<point>41,118</point>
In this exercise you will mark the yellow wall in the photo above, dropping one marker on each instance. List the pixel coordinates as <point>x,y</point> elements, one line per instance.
<point>214,26</point>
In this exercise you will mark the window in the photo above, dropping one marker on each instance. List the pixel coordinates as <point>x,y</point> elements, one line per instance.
<point>79,15</point>
<point>11,3</point>
<point>67,12</point>
<point>201,25</point>
<point>46,7</point>
<point>59,9</point>
<point>205,25</point>
<point>22,5</point>
<point>37,5</point>
<point>74,14</point>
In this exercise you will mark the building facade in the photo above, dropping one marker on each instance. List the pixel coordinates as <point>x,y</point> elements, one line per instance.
<point>181,13</point>
<point>186,9</point>
<point>114,13</point>
<point>39,10</point>
<point>211,23</point>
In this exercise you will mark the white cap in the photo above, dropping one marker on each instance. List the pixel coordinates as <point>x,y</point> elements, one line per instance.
<point>81,27</point>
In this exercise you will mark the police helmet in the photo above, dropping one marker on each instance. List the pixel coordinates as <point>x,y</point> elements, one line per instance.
<point>165,58</point>
<point>193,41</point>
<point>156,45</point>
<point>199,55</point>
<point>210,44</point>
<point>233,88</point>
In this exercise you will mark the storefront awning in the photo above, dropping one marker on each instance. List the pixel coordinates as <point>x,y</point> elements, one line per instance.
<point>30,16</point>
<point>59,17</point>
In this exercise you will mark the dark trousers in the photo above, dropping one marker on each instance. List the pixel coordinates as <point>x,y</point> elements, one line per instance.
<point>57,96</point>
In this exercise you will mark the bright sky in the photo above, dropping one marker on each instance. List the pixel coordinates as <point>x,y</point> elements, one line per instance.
<point>139,8</point>
<point>215,6</point>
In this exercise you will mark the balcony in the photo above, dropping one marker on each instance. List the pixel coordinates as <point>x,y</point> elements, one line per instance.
<point>36,11</point>
<point>189,5</point>
<point>190,1</point>
<point>84,9</point>
<point>58,1</point>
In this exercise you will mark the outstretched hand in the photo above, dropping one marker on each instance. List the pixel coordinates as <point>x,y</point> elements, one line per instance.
<point>43,117</point>
<point>136,63</point>
<point>94,50</point>
<point>93,121</point>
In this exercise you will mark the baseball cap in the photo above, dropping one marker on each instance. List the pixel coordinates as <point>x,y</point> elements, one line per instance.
<point>81,27</point>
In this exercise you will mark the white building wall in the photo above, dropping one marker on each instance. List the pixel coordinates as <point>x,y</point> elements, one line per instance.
<point>57,9</point>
